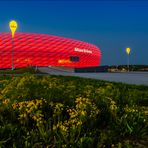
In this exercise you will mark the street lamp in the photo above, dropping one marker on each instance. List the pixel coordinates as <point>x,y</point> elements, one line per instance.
<point>13,27</point>
<point>128,50</point>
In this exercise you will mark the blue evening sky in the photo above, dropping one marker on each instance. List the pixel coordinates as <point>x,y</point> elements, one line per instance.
<point>111,25</point>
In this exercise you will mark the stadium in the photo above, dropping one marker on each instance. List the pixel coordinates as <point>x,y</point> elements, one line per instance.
<point>30,49</point>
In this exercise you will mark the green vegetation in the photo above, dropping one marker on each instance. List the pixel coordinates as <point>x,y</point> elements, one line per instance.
<point>30,70</point>
<point>123,68</point>
<point>58,111</point>
<point>114,68</point>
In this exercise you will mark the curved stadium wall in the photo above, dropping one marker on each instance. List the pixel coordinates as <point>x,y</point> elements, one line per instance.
<point>46,50</point>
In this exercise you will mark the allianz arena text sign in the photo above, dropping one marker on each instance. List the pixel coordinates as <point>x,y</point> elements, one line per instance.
<point>82,50</point>
<point>32,49</point>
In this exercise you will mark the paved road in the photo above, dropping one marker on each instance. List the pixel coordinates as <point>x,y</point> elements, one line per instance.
<point>129,78</point>
<point>138,78</point>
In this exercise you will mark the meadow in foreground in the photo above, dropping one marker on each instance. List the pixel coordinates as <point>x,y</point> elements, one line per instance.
<point>58,111</point>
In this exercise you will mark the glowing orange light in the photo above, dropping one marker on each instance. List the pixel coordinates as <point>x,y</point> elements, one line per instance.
<point>63,61</point>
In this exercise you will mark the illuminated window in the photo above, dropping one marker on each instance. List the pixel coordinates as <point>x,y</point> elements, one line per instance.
<point>74,58</point>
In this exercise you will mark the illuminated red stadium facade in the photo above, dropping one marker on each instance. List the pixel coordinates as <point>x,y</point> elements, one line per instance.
<point>46,50</point>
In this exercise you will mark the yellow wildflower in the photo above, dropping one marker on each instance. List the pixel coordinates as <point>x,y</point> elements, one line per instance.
<point>6,101</point>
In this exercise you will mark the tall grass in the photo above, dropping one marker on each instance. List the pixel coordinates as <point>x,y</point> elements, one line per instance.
<point>58,111</point>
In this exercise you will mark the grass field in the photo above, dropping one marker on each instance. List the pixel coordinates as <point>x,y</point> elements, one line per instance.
<point>58,111</point>
<point>30,70</point>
